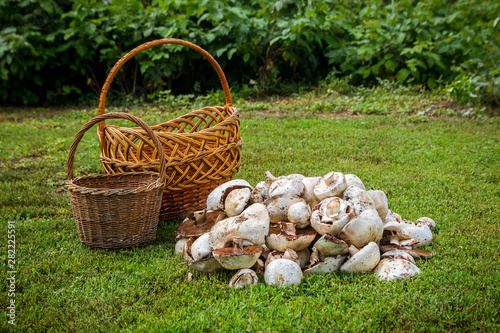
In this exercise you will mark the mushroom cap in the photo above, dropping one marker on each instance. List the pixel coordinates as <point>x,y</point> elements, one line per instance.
<point>333,214</point>
<point>330,185</point>
<point>359,198</point>
<point>309,196</point>
<point>260,193</point>
<point>329,245</point>
<point>283,272</point>
<point>180,246</point>
<point>191,228</point>
<point>252,225</point>
<point>231,259</point>
<point>427,220</point>
<point>395,268</point>
<point>328,265</point>
<point>201,247</point>
<point>206,265</point>
<point>299,213</point>
<point>277,206</point>
<point>296,176</point>
<point>236,201</point>
<point>288,254</point>
<point>398,254</point>
<point>392,217</point>
<point>380,200</point>
<point>363,261</point>
<point>365,228</point>
<point>242,278</point>
<point>421,233</point>
<point>286,186</point>
<point>353,180</point>
<point>216,198</point>
<point>279,240</point>
<point>394,233</point>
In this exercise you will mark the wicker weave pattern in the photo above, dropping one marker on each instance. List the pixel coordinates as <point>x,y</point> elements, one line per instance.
<point>202,148</point>
<point>121,210</point>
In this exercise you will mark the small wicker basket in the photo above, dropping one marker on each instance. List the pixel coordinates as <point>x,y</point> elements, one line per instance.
<point>121,210</point>
<point>202,148</point>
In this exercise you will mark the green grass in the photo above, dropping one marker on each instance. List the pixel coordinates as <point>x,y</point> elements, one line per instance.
<point>447,168</point>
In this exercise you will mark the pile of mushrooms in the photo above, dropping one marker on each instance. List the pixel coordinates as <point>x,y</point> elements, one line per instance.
<point>290,226</point>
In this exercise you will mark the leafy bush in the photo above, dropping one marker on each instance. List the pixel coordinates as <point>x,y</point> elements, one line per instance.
<point>53,51</point>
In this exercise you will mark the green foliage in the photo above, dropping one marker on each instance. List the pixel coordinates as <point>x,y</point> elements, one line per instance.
<point>61,50</point>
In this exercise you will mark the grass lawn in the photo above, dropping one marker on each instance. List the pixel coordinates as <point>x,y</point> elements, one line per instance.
<point>443,167</point>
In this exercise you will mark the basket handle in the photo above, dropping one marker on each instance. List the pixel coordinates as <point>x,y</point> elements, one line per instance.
<point>115,115</point>
<point>145,46</point>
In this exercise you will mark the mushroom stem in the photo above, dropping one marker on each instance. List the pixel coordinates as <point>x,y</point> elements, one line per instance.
<point>238,245</point>
<point>394,240</point>
<point>199,217</point>
<point>289,229</point>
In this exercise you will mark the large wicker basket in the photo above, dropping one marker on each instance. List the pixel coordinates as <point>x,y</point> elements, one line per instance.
<point>121,210</point>
<point>202,148</point>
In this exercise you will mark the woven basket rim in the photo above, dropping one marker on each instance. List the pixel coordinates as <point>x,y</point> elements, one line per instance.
<point>201,133</point>
<point>150,186</point>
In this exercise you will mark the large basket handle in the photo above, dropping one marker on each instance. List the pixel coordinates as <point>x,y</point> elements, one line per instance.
<point>115,115</point>
<point>145,46</point>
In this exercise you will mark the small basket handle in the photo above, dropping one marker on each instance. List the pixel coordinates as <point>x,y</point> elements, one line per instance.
<point>116,115</point>
<point>145,46</point>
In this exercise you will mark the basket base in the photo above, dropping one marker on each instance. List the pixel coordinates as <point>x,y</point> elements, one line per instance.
<point>179,204</point>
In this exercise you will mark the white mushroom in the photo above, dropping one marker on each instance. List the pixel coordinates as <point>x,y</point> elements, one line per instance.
<point>309,196</point>
<point>260,193</point>
<point>364,261</point>
<point>288,254</point>
<point>236,201</point>
<point>389,269</point>
<point>359,198</point>
<point>332,215</point>
<point>398,254</point>
<point>201,247</point>
<point>331,185</point>
<point>380,200</point>
<point>329,245</point>
<point>278,207</point>
<point>237,256</point>
<point>427,220</point>
<point>288,236</point>
<point>353,180</point>
<point>327,265</point>
<point>251,225</point>
<point>394,233</point>
<point>286,186</point>
<point>215,200</point>
<point>299,213</point>
<point>295,176</point>
<point>242,278</point>
<point>420,232</point>
<point>180,246</point>
<point>392,217</point>
<point>271,179</point>
<point>283,272</point>
<point>365,228</point>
